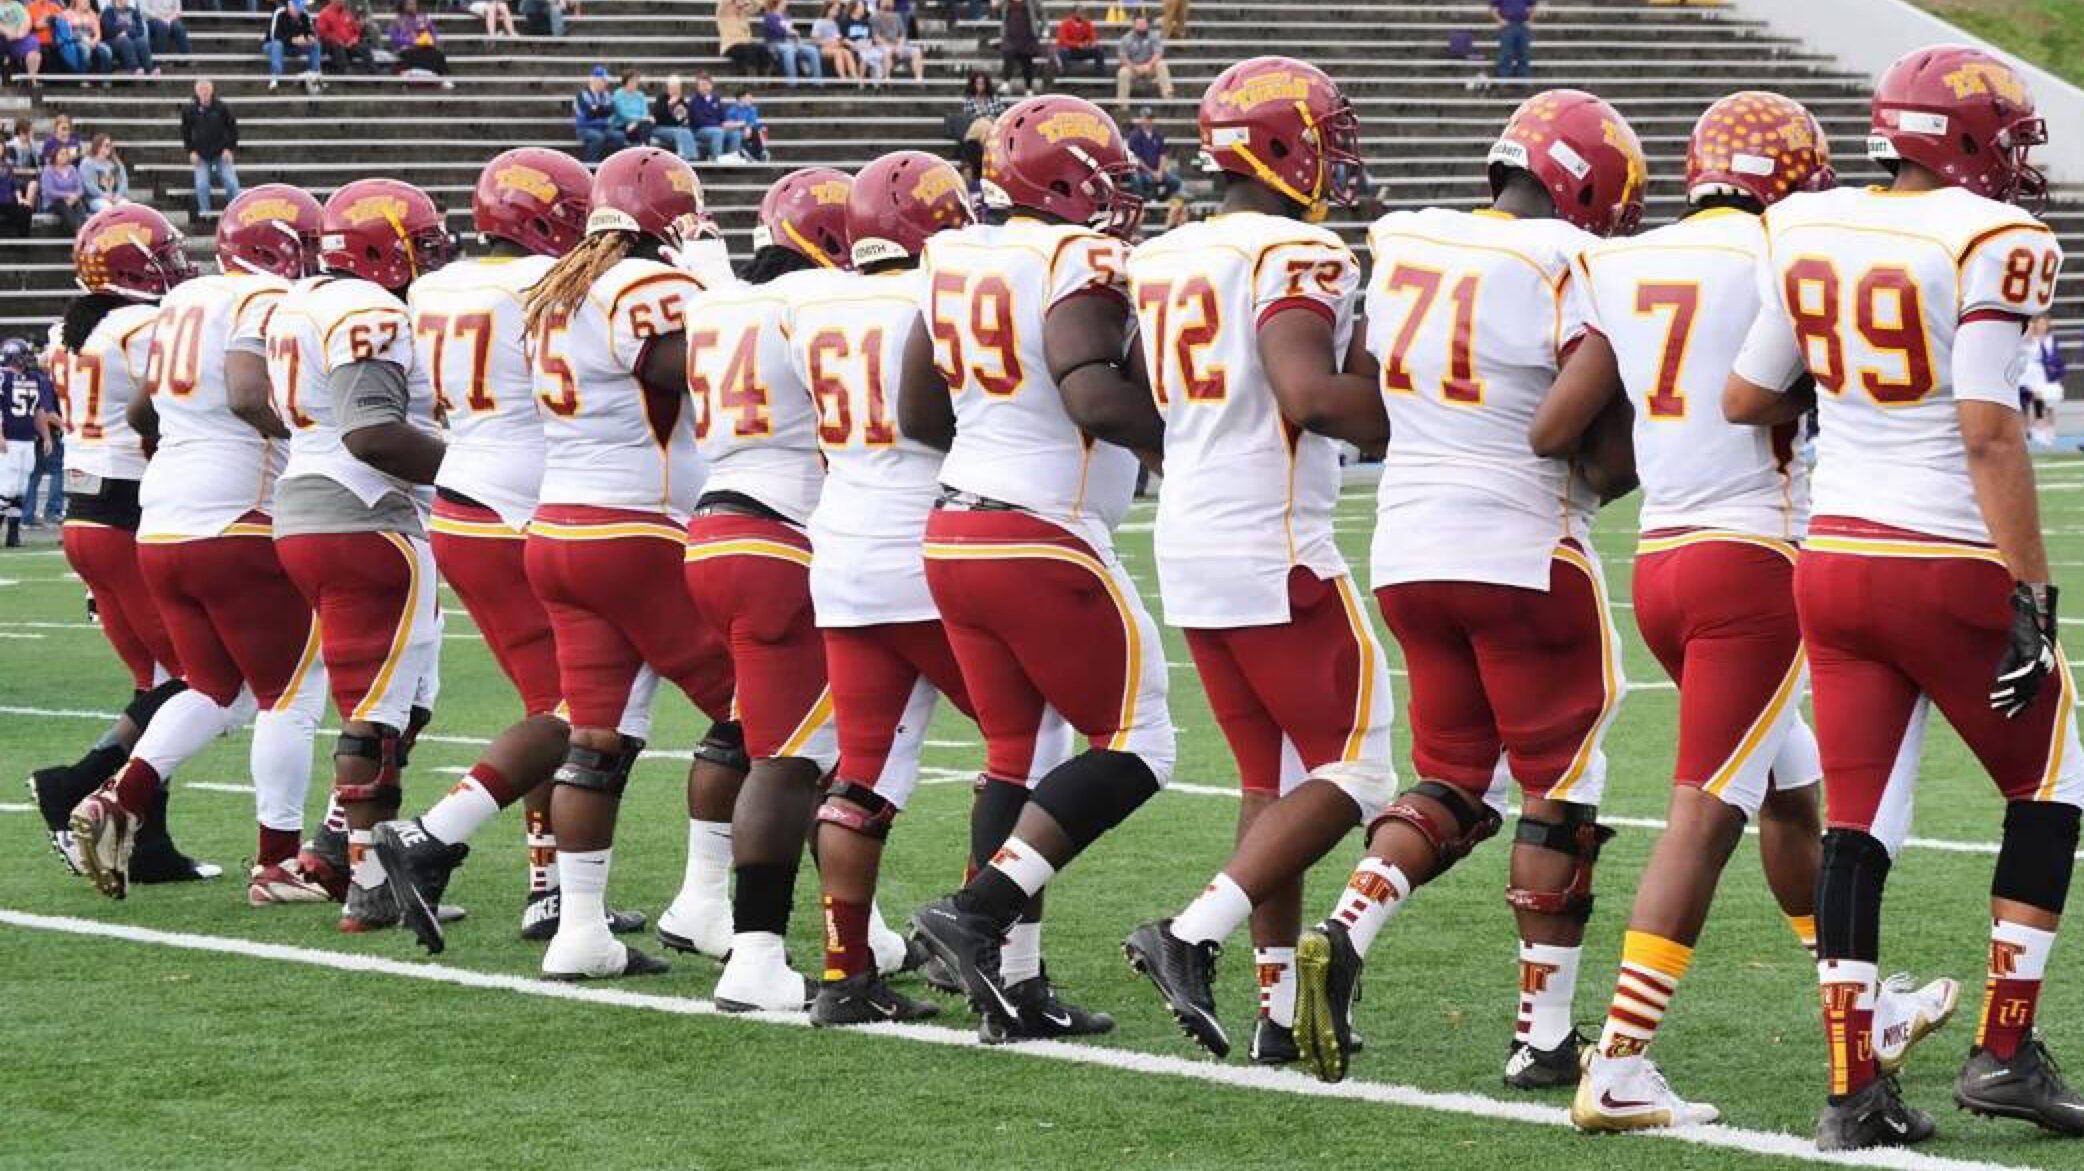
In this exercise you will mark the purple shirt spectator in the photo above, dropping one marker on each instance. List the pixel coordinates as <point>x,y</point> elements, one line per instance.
<point>1513,11</point>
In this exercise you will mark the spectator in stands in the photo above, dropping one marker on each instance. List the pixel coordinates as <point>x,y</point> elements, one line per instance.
<point>888,28</point>
<point>499,19</point>
<point>981,106</point>
<point>45,17</point>
<point>123,31</point>
<point>79,40</point>
<point>18,33</point>
<point>340,36</point>
<point>671,125</point>
<point>824,33</point>
<point>1078,43</point>
<point>1147,146</point>
<point>1514,36</point>
<point>64,192</point>
<point>106,178</point>
<point>62,135</point>
<point>1020,40</point>
<point>164,27</point>
<point>593,115</point>
<point>955,10</point>
<point>292,36</point>
<point>2041,367</point>
<point>1142,57</point>
<point>415,44</point>
<point>545,18</point>
<point>860,33</point>
<point>22,148</point>
<point>743,116</point>
<point>734,35</point>
<point>706,111</point>
<point>633,110</point>
<point>211,134</point>
<point>1174,13</point>
<point>17,198</point>
<point>790,51</point>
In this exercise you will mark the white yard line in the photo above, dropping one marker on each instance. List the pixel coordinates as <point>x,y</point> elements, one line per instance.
<point>1756,1142</point>
<point>12,808</point>
<point>215,787</point>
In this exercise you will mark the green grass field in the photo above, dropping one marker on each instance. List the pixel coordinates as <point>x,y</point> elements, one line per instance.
<point>124,1052</point>
<point>2049,33</point>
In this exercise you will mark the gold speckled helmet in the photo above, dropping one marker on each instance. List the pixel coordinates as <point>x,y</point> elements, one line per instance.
<point>1757,144</point>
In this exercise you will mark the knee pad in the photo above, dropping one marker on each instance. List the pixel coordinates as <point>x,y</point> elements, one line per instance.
<point>1848,895</point>
<point>1472,826</point>
<point>415,722</point>
<point>994,808</point>
<point>1093,792</point>
<point>1578,835</point>
<point>858,808</point>
<point>1370,786</point>
<point>2038,853</point>
<point>632,748</point>
<point>146,704</point>
<point>601,772</point>
<point>724,744</point>
<point>383,748</point>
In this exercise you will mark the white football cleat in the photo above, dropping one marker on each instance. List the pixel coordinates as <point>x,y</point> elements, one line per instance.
<point>891,950</point>
<point>279,884</point>
<point>758,978</point>
<point>1904,1016</point>
<point>1628,1093</point>
<point>590,953</point>
<point>105,832</point>
<point>697,925</point>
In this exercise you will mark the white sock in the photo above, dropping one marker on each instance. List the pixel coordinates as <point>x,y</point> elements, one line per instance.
<point>583,877</point>
<point>1548,982</point>
<point>708,873</point>
<point>1371,899</point>
<point>878,927</point>
<point>1024,864</point>
<point>1216,912</point>
<point>364,868</point>
<point>183,726</point>
<point>1021,957</point>
<point>281,764</point>
<point>461,812</point>
<point>1276,967</point>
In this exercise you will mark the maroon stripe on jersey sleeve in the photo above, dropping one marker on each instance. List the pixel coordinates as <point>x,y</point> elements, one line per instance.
<point>1286,303</point>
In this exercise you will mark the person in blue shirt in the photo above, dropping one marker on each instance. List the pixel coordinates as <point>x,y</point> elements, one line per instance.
<point>743,117</point>
<point>706,111</point>
<point>593,116</point>
<point>633,109</point>
<point>25,431</point>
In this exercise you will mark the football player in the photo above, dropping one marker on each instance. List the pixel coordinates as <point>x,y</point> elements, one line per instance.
<point>1032,395</point>
<point>529,208</point>
<point>350,510</point>
<point>127,258</point>
<point>1925,558</point>
<point>1723,509</point>
<point>1481,565</point>
<point>1245,321</point>
<point>25,429</point>
<point>606,548</point>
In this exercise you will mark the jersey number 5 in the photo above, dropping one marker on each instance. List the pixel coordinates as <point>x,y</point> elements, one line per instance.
<point>986,333</point>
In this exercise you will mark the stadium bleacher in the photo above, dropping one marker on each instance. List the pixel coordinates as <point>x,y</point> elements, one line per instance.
<point>1426,119</point>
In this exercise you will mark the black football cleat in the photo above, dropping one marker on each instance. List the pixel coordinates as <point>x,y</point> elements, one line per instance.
<point>540,916</point>
<point>1327,975</point>
<point>1274,1043</point>
<point>969,944</point>
<point>937,974</point>
<point>864,999</point>
<point>1185,975</point>
<point>1528,1068</point>
<point>417,867</point>
<point>1041,1017</point>
<point>57,791</point>
<point>1875,1117</point>
<point>2027,1087</point>
<point>156,859</point>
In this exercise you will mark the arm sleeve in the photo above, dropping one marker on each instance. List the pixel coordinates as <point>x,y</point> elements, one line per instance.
<point>368,394</point>
<point>1319,275</point>
<point>1088,263</point>
<point>1988,360</point>
<point>2011,270</point>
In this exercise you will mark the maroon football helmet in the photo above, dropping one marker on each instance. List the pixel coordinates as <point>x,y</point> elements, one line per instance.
<point>1759,144</point>
<point>650,191</point>
<point>901,199</point>
<point>273,228</point>
<point>533,197</point>
<point>131,251</point>
<point>384,231</point>
<point>806,212</point>
<point>1583,152</point>
<point>1964,115</point>
<point>1283,122</point>
<point>1064,156</point>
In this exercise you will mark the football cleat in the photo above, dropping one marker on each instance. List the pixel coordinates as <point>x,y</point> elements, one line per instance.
<point>585,955</point>
<point>156,859</point>
<point>1041,1017</point>
<point>1528,1068</point>
<point>106,833</point>
<point>1272,1043</point>
<point>697,927</point>
<point>937,974</point>
<point>969,944</point>
<point>323,859</point>
<point>1904,1016</point>
<point>57,791</point>
<point>1874,1117</point>
<point>540,917</point>
<point>279,884</point>
<point>758,978</point>
<point>2028,1087</point>
<point>1185,975</point>
<point>1327,973</point>
<point>417,867</point>
<point>368,908</point>
<point>895,954</point>
<point>864,999</point>
<point>1629,1093</point>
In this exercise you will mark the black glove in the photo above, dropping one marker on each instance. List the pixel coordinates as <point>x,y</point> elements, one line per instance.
<point>2029,653</point>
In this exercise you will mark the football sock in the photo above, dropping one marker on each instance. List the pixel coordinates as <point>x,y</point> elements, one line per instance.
<point>1548,983</point>
<point>364,868</point>
<point>708,873</point>
<point>1215,913</point>
<point>134,786</point>
<point>1849,988</point>
<point>475,800</point>
<point>847,952</point>
<point>280,761</point>
<point>542,852</point>
<point>1276,967</point>
<point>1021,957</point>
<point>276,846</point>
<point>760,899</point>
<point>582,877</point>
<point>101,761</point>
<point>1371,898</point>
<point>336,817</point>
<point>2018,961</point>
<point>1651,966</point>
<point>1805,932</point>
<point>1001,890</point>
<point>185,725</point>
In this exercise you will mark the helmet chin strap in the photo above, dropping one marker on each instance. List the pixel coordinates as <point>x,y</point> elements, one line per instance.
<point>412,254</point>
<point>1267,176</point>
<point>804,246</point>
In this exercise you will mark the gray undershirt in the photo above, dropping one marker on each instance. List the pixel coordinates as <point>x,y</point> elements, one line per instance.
<point>364,394</point>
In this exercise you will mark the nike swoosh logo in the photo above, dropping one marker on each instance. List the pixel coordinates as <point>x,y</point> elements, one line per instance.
<point>1607,1101</point>
<point>1894,1125</point>
<point>1060,1020</point>
<point>888,1010</point>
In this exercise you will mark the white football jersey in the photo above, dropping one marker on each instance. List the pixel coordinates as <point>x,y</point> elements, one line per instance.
<point>602,445</point>
<point>323,324</point>
<point>95,384</point>
<point>1469,314</point>
<point>989,290</point>
<point>1247,495</point>
<point>469,334</point>
<point>754,421</point>
<point>211,467</point>
<point>1870,287</point>
<point>847,341</point>
<point>1676,304</point>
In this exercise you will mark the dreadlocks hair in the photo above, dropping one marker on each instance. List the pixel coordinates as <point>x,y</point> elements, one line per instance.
<point>564,287</point>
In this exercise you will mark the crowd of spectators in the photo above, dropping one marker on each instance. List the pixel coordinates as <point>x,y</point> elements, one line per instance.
<point>59,175</point>
<point>698,125</point>
<point>853,41</point>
